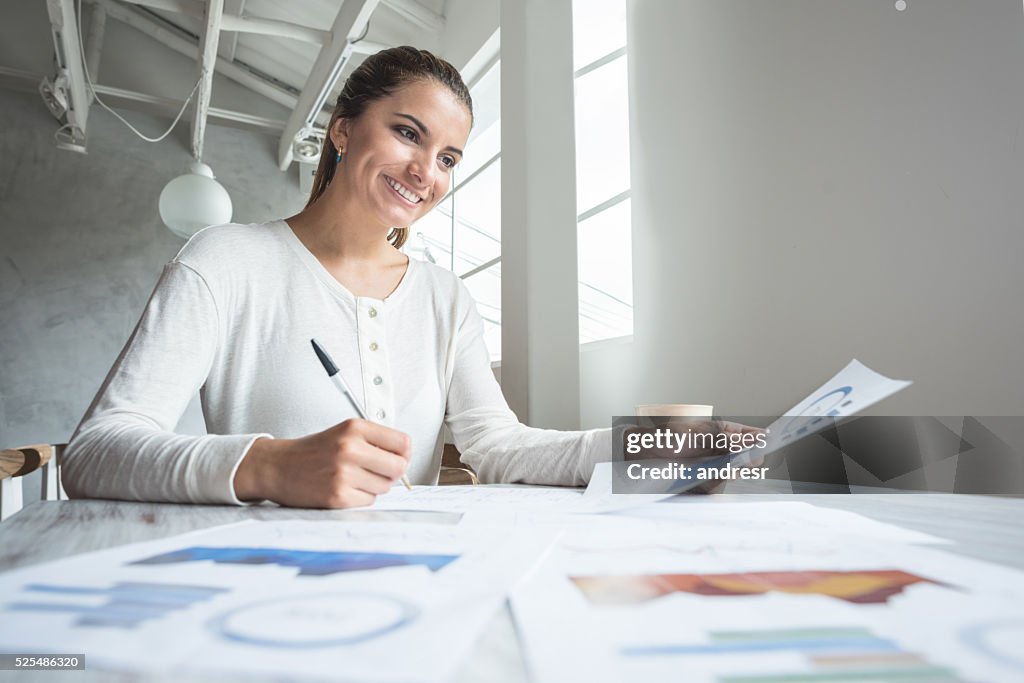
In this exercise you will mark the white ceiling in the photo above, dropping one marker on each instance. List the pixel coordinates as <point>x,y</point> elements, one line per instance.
<point>155,52</point>
<point>289,60</point>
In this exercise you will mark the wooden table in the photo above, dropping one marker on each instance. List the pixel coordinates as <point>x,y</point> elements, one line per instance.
<point>982,527</point>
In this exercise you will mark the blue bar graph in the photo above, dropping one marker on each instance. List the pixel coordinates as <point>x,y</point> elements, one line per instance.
<point>309,562</point>
<point>127,604</point>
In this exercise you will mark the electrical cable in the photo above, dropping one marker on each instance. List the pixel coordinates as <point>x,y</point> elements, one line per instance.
<point>92,88</point>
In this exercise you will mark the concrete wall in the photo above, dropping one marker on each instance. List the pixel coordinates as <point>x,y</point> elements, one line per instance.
<point>820,180</point>
<point>81,246</point>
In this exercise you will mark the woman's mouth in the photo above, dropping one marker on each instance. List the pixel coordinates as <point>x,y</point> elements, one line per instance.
<point>402,191</point>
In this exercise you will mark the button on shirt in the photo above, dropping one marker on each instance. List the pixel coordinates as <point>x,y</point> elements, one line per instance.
<point>371,324</point>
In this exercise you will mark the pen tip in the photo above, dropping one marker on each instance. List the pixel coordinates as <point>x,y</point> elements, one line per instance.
<point>325,360</point>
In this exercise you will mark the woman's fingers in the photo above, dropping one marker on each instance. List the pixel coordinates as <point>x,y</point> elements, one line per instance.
<point>375,470</point>
<point>384,438</point>
<point>379,449</point>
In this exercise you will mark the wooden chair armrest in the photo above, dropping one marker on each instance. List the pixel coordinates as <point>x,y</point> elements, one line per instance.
<point>456,476</point>
<point>454,472</point>
<point>17,462</point>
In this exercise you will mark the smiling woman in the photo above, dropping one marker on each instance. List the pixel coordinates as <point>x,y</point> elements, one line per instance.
<point>234,311</point>
<point>379,77</point>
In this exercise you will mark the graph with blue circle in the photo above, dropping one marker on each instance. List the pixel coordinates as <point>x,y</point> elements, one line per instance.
<point>820,409</point>
<point>315,621</point>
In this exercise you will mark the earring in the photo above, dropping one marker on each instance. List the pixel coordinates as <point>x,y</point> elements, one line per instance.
<point>338,160</point>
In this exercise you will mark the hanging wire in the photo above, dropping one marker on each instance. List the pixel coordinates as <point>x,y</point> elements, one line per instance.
<point>92,88</point>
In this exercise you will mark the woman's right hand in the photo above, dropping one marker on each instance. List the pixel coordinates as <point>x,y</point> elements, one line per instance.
<point>348,465</point>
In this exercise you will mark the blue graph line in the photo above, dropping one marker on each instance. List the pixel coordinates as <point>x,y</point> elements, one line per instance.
<point>977,637</point>
<point>309,562</point>
<point>222,625</point>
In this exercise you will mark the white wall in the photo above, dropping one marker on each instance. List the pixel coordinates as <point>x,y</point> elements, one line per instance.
<point>468,24</point>
<point>820,180</point>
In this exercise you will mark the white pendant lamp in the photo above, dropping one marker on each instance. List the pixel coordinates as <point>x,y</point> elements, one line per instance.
<point>194,201</point>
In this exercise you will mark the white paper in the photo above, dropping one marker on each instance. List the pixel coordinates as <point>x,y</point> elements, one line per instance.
<point>331,600</point>
<point>850,391</point>
<point>468,498</point>
<point>516,500</point>
<point>776,519</point>
<point>750,576</point>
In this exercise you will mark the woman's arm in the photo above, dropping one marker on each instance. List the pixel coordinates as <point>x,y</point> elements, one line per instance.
<point>124,447</point>
<point>489,435</point>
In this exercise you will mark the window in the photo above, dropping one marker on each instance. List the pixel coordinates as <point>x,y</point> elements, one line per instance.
<point>602,170</point>
<point>463,232</point>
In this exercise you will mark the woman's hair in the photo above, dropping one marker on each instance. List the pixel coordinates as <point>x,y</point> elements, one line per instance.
<point>378,76</point>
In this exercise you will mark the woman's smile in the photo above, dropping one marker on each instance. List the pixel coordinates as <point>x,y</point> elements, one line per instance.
<point>407,195</point>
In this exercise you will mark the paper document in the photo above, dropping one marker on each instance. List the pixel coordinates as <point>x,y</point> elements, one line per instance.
<point>468,498</point>
<point>850,391</point>
<point>762,593</point>
<point>374,601</point>
<point>598,497</point>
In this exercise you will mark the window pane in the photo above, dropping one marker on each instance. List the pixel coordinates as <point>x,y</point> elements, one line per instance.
<point>479,152</point>
<point>485,138</point>
<point>598,27</point>
<point>478,220</point>
<point>602,135</point>
<point>485,287</point>
<point>606,274</point>
<point>430,237</point>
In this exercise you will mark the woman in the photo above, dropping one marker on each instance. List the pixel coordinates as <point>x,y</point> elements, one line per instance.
<point>233,314</point>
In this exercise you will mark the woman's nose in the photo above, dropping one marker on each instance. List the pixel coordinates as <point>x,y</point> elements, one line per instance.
<point>422,168</point>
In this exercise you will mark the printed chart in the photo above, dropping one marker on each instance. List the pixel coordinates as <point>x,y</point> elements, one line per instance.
<point>316,621</point>
<point>124,605</point>
<point>308,562</point>
<point>857,587</point>
<point>286,600</point>
<point>827,653</point>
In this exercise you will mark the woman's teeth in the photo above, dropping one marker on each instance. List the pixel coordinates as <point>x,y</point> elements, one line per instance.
<point>400,189</point>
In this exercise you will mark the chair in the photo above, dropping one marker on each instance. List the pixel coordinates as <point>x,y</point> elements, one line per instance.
<point>15,463</point>
<point>453,471</point>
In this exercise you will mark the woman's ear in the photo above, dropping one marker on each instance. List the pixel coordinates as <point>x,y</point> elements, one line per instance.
<point>339,133</point>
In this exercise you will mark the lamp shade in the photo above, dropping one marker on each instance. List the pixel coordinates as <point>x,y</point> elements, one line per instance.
<point>194,201</point>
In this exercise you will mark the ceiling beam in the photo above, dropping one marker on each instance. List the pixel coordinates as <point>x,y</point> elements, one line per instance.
<point>229,43</point>
<point>348,24</point>
<point>224,117</point>
<point>207,63</point>
<point>413,11</point>
<point>64,26</point>
<point>238,23</point>
<point>26,81</point>
<point>180,42</point>
<point>94,42</point>
<point>368,47</point>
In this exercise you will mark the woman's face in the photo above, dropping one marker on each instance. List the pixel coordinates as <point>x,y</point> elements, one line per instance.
<point>400,153</point>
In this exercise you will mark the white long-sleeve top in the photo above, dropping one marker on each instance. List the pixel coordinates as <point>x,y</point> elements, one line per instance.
<point>232,317</point>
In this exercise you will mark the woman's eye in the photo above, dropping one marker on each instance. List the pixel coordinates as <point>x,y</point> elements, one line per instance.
<point>449,162</point>
<point>407,133</point>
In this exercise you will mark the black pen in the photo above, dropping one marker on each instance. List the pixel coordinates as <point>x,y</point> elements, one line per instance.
<point>332,372</point>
